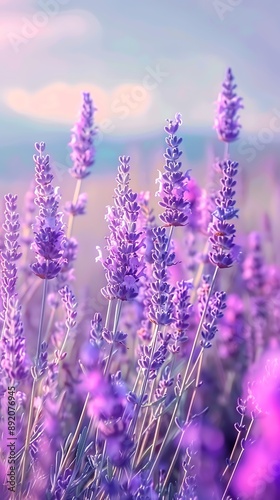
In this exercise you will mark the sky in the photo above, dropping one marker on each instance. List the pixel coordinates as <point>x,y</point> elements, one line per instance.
<point>142,62</point>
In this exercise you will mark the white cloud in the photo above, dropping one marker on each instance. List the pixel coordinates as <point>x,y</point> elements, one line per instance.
<point>119,110</point>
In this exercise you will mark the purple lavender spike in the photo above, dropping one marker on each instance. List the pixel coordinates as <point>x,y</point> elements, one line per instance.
<point>49,229</point>
<point>173,183</point>
<point>228,104</point>
<point>124,264</point>
<point>222,232</point>
<point>83,132</point>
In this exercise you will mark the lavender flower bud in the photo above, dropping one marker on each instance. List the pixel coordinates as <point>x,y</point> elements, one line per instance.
<point>222,232</point>
<point>10,254</point>
<point>216,311</point>
<point>70,306</point>
<point>79,208</point>
<point>182,311</point>
<point>161,308</point>
<point>13,342</point>
<point>228,104</point>
<point>125,263</point>
<point>49,235</point>
<point>83,151</point>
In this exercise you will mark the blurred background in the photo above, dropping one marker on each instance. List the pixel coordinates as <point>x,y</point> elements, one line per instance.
<point>142,62</point>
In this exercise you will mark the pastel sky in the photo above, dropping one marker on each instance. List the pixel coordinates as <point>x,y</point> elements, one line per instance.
<point>142,61</point>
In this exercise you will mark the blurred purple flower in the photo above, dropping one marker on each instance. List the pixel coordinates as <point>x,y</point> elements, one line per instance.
<point>83,132</point>
<point>253,266</point>
<point>254,275</point>
<point>228,104</point>
<point>78,208</point>
<point>232,332</point>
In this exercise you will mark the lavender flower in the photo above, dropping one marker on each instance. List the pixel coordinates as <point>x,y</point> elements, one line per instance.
<point>49,234</point>
<point>254,275</point>
<point>165,382</point>
<point>216,311</point>
<point>228,104</point>
<point>124,264</point>
<point>253,267</point>
<point>78,208</point>
<point>83,132</point>
<point>173,183</point>
<point>62,483</point>
<point>10,254</point>
<point>151,361</point>
<point>161,309</point>
<point>203,292</point>
<point>146,223</point>
<point>222,232</point>
<point>182,312</point>
<point>13,343</point>
<point>70,306</point>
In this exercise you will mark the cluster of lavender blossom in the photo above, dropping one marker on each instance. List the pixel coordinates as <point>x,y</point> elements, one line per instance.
<point>139,402</point>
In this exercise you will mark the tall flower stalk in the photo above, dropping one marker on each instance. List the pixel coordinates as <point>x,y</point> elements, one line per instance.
<point>222,231</point>
<point>83,157</point>
<point>10,254</point>
<point>124,264</point>
<point>13,369</point>
<point>174,181</point>
<point>227,126</point>
<point>48,245</point>
<point>228,105</point>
